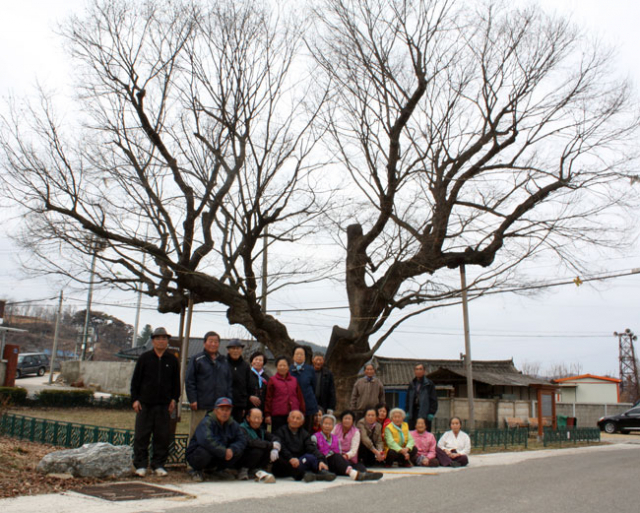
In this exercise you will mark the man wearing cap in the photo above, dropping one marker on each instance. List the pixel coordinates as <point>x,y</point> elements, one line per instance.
<point>155,391</point>
<point>208,379</point>
<point>218,442</point>
<point>240,379</point>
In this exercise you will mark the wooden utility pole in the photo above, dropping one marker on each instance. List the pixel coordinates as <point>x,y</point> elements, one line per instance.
<point>467,347</point>
<point>54,351</point>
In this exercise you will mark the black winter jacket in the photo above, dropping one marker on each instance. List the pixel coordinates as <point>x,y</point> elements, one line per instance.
<point>327,392</point>
<point>294,445</point>
<point>156,380</point>
<point>240,372</point>
<point>427,399</point>
<point>208,380</point>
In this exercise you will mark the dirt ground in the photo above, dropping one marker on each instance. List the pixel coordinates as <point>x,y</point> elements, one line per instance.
<point>19,459</point>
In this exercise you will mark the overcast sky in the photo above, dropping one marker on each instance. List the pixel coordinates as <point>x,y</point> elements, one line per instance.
<point>566,324</point>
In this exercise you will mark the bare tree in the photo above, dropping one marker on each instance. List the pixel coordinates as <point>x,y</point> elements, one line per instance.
<point>192,149</point>
<point>477,134</point>
<point>472,134</point>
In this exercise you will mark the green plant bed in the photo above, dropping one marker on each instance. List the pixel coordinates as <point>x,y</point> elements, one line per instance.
<point>13,395</point>
<point>64,398</point>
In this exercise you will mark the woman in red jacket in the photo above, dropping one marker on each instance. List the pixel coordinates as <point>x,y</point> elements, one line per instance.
<point>283,396</point>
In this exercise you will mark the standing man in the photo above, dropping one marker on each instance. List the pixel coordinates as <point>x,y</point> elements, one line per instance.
<point>240,379</point>
<point>306,377</point>
<point>367,392</point>
<point>217,444</point>
<point>325,390</point>
<point>208,379</point>
<point>155,391</point>
<point>422,400</point>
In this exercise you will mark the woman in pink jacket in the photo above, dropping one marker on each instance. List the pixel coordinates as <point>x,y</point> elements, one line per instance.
<point>283,396</point>
<point>426,444</point>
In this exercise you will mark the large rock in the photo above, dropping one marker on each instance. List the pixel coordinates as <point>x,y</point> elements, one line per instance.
<point>90,460</point>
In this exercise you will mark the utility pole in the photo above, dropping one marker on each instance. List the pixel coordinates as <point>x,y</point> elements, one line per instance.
<point>54,351</point>
<point>137,323</point>
<point>629,382</point>
<point>467,347</point>
<point>85,330</point>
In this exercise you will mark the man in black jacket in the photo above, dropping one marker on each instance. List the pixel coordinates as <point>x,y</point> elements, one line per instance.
<point>155,391</point>
<point>299,457</point>
<point>262,448</point>
<point>208,379</point>
<point>240,376</point>
<point>422,400</point>
<point>325,385</point>
<point>217,444</point>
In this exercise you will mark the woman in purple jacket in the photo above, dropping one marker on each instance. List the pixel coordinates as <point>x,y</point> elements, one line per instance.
<point>329,445</point>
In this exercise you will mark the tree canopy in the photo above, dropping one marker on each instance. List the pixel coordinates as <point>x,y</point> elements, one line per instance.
<point>419,135</point>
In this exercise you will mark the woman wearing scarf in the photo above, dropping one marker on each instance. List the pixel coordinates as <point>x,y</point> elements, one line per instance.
<point>258,380</point>
<point>329,445</point>
<point>283,396</point>
<point>401,447</point>
<point>371,451</point>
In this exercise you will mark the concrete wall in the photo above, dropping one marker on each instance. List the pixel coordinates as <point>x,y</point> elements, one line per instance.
<point>588,414</point>
<point>111,377</point>
<point>487,412</point>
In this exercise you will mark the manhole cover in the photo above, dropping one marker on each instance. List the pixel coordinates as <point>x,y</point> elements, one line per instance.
<point>129,492</point>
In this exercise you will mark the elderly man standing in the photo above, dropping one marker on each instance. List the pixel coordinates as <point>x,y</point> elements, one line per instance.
<point>218,442</point>
<point>325,387</point>
<point>241,379</point>
<point>208,379</point>
<point>422,400</point>
<point>367,392</point>
<point>155,391</point>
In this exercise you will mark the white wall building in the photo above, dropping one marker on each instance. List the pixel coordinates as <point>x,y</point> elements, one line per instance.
<point>588,388</point>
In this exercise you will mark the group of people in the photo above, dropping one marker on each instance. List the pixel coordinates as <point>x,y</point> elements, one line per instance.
<point>246,424</point>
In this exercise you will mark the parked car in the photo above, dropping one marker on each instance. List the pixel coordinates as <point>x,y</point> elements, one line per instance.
<point>623,422</point>
<point>32,363</point>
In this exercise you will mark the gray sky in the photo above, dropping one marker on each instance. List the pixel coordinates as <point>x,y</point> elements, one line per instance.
<point>566,324</point>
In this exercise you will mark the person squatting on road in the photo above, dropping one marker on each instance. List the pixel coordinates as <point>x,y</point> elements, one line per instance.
<point>218,443</point>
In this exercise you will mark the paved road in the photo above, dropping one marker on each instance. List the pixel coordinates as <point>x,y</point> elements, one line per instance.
<point>592,479</point>
<point>589,482</point>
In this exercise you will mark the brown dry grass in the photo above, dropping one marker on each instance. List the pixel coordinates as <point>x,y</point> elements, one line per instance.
<point>122,419</point>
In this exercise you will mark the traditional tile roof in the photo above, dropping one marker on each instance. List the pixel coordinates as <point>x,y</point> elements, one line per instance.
<point>399,371</point>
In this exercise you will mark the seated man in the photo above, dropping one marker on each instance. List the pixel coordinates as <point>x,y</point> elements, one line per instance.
<point>218,442</point>
<point>262,448</point>
<point>299,457</point>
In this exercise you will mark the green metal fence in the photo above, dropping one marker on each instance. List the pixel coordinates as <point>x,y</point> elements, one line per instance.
<point>570,435</point>
<point>71,434</point>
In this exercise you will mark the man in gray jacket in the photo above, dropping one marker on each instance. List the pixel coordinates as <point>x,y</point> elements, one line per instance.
<point>208,379</point>
<point>367,392</point>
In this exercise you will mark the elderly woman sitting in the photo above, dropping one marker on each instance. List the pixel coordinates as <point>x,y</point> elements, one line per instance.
<point>401,447</point>
<point>329,445</point>
<point>454,446</point>
<point>426,445</point>
<point>371,451</point>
